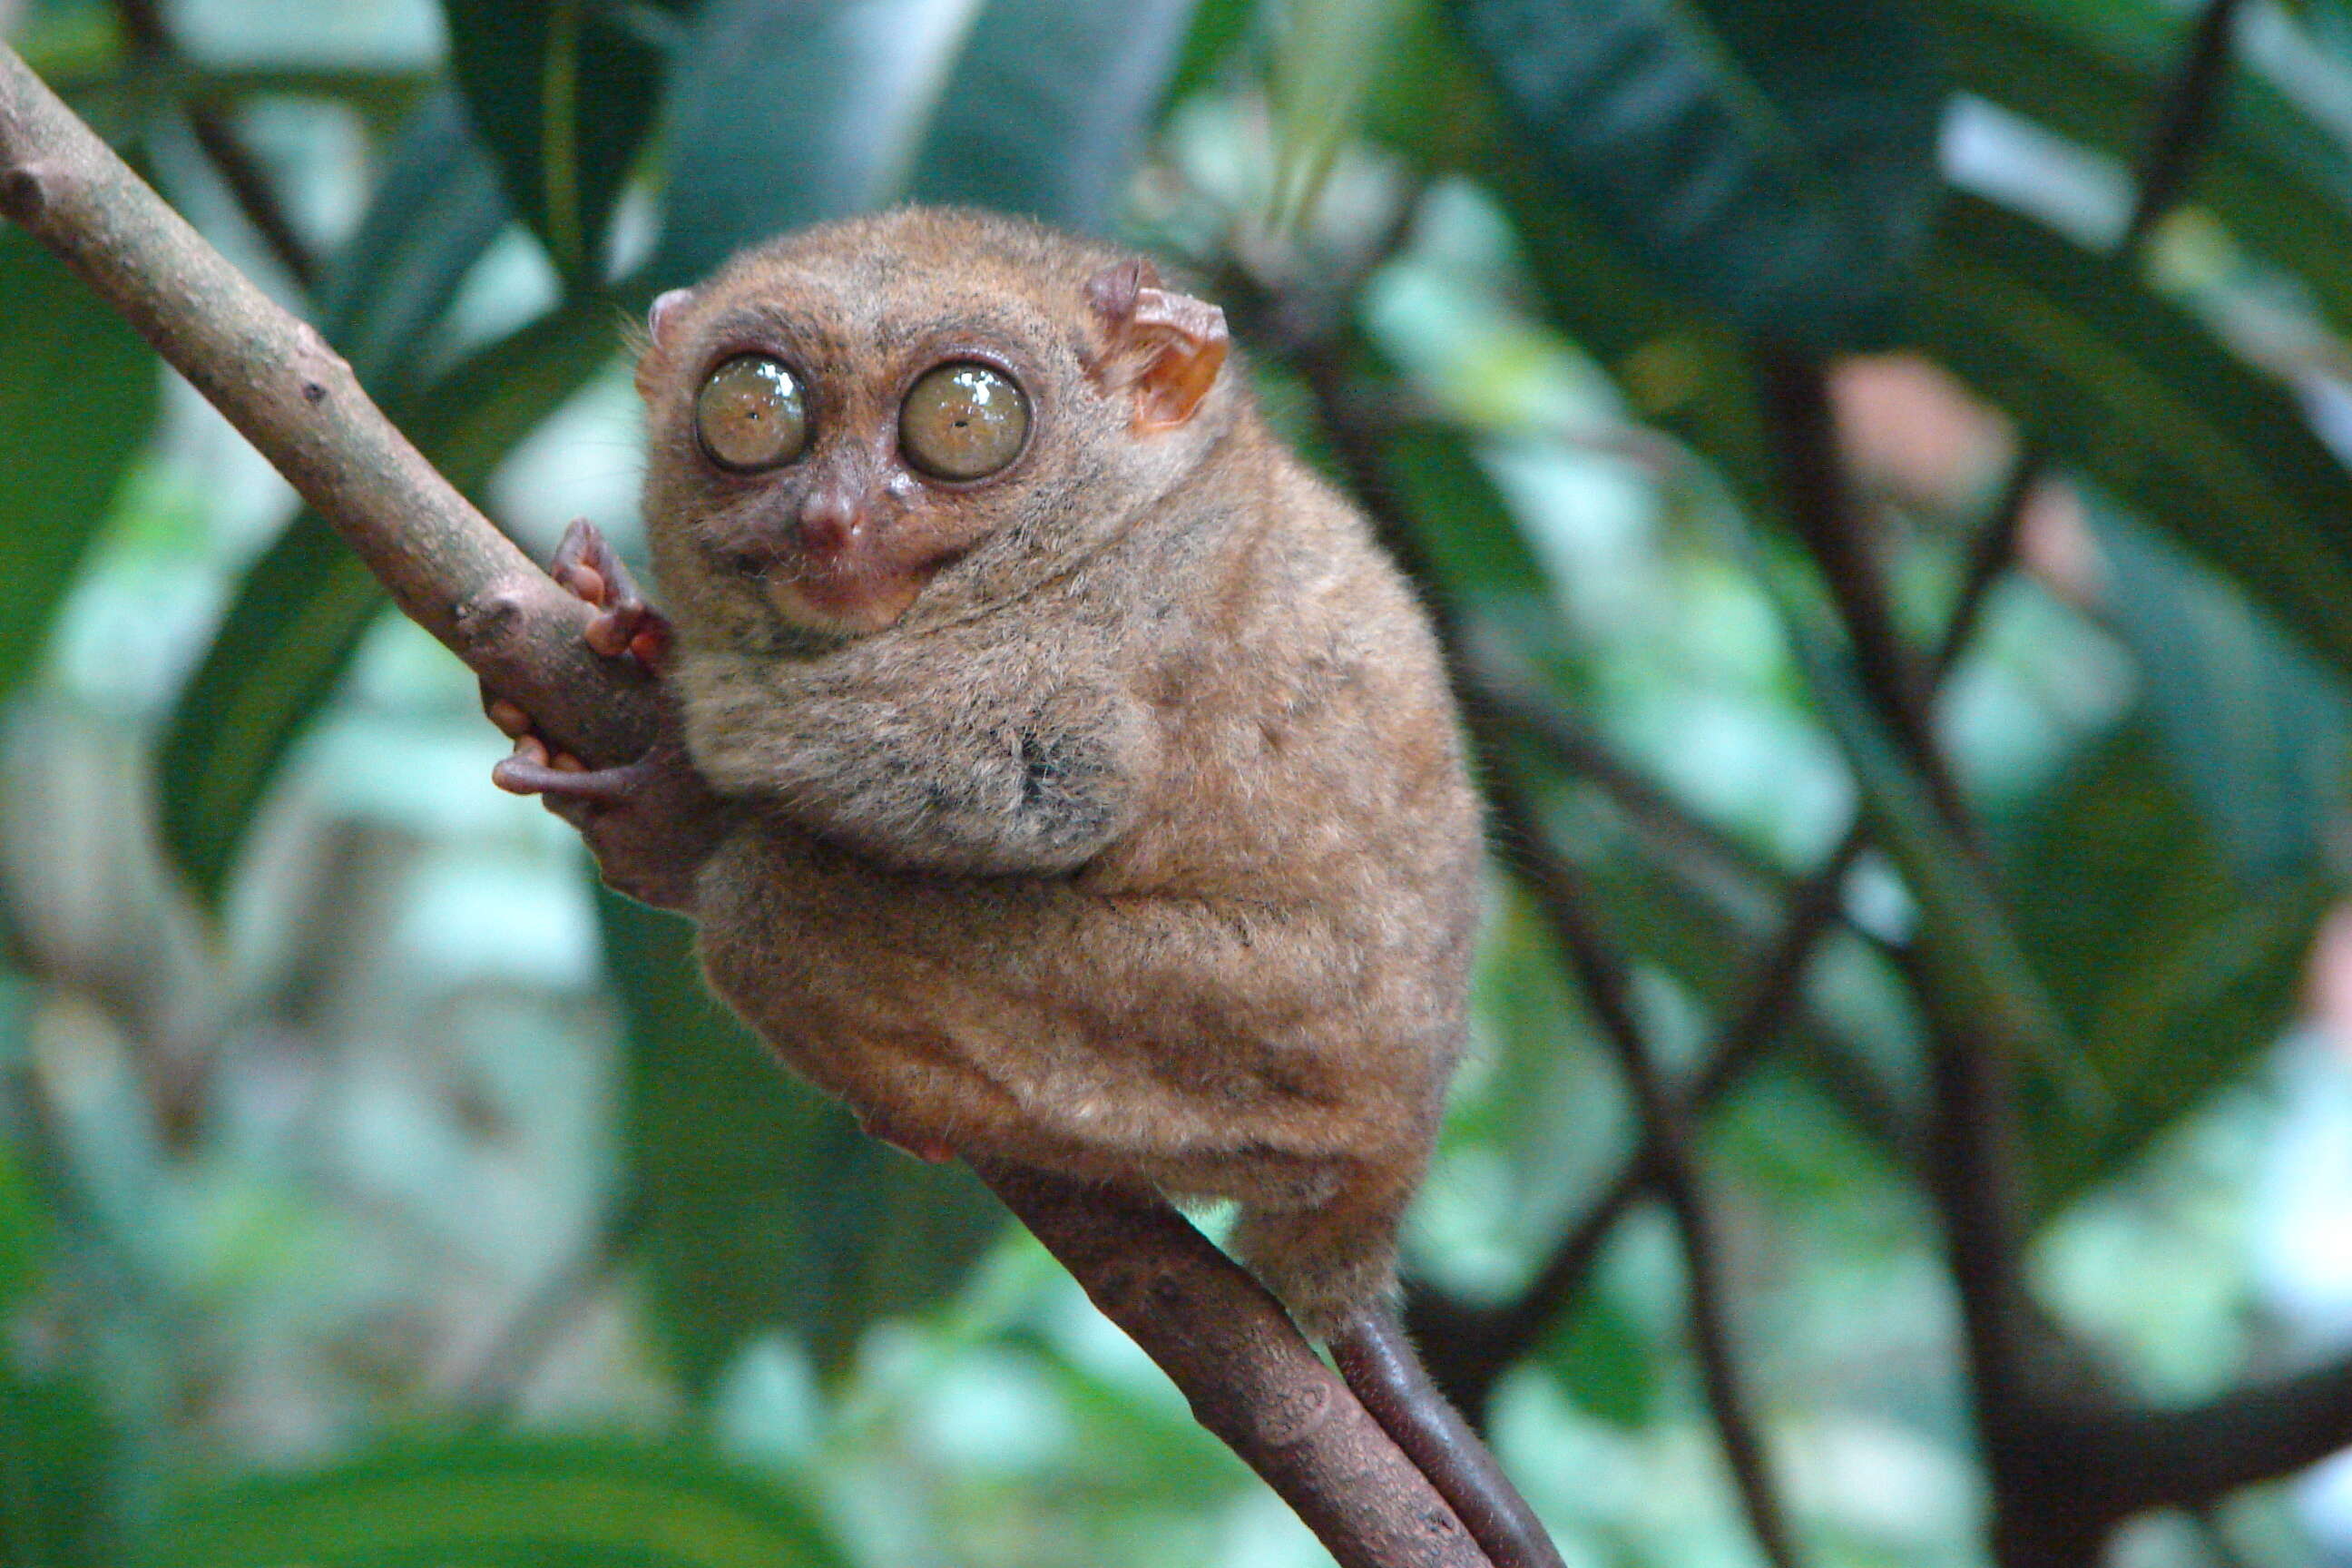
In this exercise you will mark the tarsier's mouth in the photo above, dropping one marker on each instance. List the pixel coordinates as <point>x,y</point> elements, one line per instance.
<point>849,594</point>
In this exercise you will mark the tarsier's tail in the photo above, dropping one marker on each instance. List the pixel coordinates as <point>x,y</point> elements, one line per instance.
<point>1380,1366</point>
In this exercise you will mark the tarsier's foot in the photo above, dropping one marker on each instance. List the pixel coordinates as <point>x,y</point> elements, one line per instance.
<point>587,564</point>
<point>652,822</point>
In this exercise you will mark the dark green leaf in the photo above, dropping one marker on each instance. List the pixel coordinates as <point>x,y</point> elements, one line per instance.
<point>1461,519</point>
<point>498,1502</point>
<point>435,211</point>
<point>1605,1361</point>
<point>303,605</point>
<point>2172,973</point>
<point>764,1204</point>
<point>1048,107</point>
<point>1684,372</point>
<point>1218,28</point>
<point>562,94</point>
<point>2258,733</point>
<point>301,609</point>
<point>54,1448</point>
<point>2097,74</point>
<point>1775,162</point>
<point>77,396</point>
<point>55,1489</point>
<point>2136,393</point>
<point>784,114</point>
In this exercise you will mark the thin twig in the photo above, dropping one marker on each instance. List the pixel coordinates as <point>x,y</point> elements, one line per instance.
<point>1470,1348</point>
<point>2183,123</point>
<point>1222,1340</point>
<point>1600,970</point>
<point>2051,1462</point>
<point>248,183</point>
<point>1564,900</point>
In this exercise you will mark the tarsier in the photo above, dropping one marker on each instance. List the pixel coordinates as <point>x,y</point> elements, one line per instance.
<point>1084,788</point>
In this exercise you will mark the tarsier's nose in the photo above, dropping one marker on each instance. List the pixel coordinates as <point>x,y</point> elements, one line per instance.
<point>832,517</point>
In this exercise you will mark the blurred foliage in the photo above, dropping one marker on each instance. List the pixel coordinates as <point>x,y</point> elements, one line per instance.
<point>375,1191</point>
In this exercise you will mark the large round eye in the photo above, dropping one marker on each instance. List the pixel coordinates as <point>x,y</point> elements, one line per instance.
<point>751,414</point>
<point>963,421</point>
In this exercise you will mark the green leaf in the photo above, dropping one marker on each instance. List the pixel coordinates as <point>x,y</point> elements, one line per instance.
<point>785,115</point>
<point>78,396</point>
<point>1048,107</point>
<point>54,1455</point>
<point>1684,372</point>
<point>1775,162</point>
<point>433,215</point>
<point>1459,518</point>
<point>764,1204</point>
<point>1605,1361</point>
<point>2278,181</point>
<point>562,94</point>
<point>1324,61</point>
<point>2258,734</point>
<point>2136,393</point>
<point>303,606</point>
<point>54,1445</point>
<point>497,1503</point>
<point>2173,973</point>
<point>1218,28</point>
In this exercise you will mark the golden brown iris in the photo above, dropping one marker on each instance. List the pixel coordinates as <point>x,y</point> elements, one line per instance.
<point>963,421</point>
<point>751,414</point>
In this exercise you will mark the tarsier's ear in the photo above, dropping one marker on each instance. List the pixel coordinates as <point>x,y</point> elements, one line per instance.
<point>1164,348</point>
<point>661,324</point>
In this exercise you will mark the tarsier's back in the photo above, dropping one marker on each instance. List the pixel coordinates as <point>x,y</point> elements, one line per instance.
<point>1104,806</point>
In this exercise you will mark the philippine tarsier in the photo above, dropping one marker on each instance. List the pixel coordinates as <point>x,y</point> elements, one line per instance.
<point>1082,787</point>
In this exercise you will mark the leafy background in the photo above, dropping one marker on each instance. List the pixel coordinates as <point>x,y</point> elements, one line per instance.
<point>375,1189</point>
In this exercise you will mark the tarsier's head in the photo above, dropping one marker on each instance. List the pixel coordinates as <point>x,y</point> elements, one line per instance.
<point>925,407</point>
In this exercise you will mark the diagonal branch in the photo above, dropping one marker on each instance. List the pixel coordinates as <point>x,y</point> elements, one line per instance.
<point>1474,1346</point>
<point>2183,122</point>
<point>1221,1338</point>
<point>1559,893</point>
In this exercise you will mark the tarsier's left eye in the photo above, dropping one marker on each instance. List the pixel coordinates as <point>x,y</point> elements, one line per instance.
<point>963,420</point>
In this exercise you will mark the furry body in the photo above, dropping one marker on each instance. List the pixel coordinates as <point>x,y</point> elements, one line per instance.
<point>1134,841</point>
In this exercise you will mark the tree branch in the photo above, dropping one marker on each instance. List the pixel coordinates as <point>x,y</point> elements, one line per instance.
<point>233,162</point>
<point>1666,1151</point>
<point>1470,1347</point>
<point>1252,1381</point>
<point>2182,122</point>
<point>275,379</point>
<point>1599,969</point>
<point>1223,1342</point>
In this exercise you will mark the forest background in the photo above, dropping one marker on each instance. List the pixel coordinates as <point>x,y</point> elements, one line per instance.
<point>1880,469</point>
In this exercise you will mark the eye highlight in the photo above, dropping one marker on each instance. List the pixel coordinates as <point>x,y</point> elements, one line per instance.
<point>963,420</point>
<point>751,415</point>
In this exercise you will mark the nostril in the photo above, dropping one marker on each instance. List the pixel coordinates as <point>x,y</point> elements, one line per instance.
<point>829,521</point>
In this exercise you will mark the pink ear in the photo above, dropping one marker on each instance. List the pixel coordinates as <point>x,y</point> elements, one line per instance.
<point>661,323</point>
<point>1163,347</point>
<point>666,308</point>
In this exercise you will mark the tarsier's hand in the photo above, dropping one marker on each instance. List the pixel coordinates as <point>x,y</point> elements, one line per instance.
<point>650,823</point>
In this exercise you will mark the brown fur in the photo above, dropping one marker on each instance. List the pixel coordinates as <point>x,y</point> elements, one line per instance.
<point>1119,824</point>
